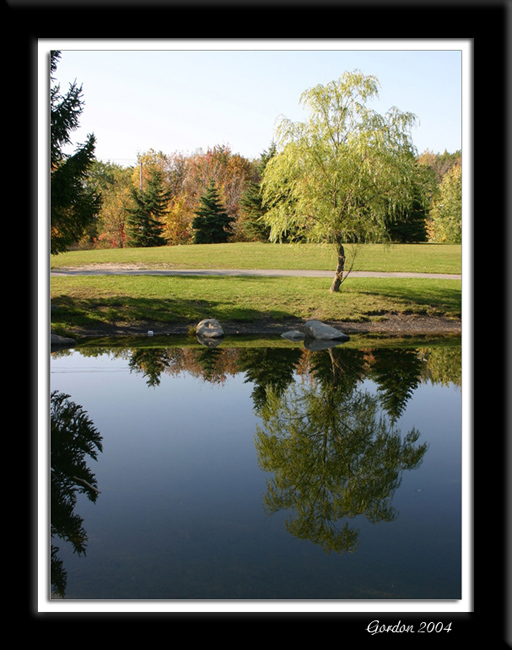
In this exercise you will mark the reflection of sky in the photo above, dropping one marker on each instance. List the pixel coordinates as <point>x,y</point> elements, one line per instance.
<point>163,435</point>
<point>181,488</point>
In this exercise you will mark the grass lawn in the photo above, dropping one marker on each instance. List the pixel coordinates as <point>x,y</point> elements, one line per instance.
<point>86,301</point>
<point>416,258</point>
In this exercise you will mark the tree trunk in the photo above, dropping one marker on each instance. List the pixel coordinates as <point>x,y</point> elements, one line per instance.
<point>338,276</point>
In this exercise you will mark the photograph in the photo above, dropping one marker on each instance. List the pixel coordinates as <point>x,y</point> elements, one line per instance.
<point>256,317</point>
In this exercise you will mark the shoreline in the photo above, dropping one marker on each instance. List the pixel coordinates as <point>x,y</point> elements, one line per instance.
<point>391,325</point>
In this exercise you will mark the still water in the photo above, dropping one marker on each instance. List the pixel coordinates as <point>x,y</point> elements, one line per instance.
<point>257,472</point>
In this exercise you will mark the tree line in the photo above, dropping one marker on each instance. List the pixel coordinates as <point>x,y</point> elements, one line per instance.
<point>346,175</point>
<point>215,196</point>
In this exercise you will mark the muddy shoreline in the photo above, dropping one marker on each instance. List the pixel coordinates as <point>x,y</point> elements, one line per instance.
<point>392,325</point>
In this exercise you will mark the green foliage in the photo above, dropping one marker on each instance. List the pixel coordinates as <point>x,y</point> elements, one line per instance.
<point>74,205</point>
<point>338,177</point>
<point>251,202</point>
<point>445,223</point>
<point>143,222</point>
<point>411,225</point>
<point>211,221</point>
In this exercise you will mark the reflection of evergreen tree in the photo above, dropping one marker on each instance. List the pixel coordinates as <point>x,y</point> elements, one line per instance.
<point>151,362</point>
<point>339,368</point>
<point>397,373</point>
<point>268,368</point>
<point>209,359</point>
<point>73,438</point>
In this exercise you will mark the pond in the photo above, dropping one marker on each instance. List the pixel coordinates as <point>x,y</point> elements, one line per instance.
<point>258,471</point>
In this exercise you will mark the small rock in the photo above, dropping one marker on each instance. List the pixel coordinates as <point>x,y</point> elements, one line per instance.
<point>61,341</point>
<point>317,330</point>
<point>209,328</point>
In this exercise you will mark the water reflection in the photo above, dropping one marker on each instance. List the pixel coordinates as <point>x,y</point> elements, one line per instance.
<point>73,438</point>
<point>326,437</point>
<point>333,455</point>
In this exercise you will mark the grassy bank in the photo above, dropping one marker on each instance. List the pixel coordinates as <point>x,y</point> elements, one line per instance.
<point>416,258</point>
<point>88,301</point>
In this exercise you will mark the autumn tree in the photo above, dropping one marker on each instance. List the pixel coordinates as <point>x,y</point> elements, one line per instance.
<point>440,163</point>
<point>211,222</point>
<point>74,204</point>
<point>230,172</point>
<point>341,174</point>
<point>114,183</point>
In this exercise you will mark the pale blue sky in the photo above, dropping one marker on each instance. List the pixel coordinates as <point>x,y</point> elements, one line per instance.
<point>137,99</point>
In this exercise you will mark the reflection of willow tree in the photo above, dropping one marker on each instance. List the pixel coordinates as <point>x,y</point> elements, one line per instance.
<point>334,455</point>
<point>73,438</point>
<point>443,364</point>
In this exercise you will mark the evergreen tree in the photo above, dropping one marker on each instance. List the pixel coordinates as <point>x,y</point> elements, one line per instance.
<point>211,222</point>
<point>144,225</point>
<point>251,201</point>
<point>74,204</point>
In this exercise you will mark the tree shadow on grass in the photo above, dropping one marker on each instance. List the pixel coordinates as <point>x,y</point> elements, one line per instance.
<point>93,313</point>
<point>416,298</point>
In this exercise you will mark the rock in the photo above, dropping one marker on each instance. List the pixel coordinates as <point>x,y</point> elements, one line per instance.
<point>209,328</point>
<point>209,343</point>
<point>315,346</point>
<point>293,335</point>
<point>315,329</point>
<point>61,341</point>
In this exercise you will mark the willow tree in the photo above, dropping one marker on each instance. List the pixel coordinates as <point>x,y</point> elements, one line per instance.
<point>339,176</point>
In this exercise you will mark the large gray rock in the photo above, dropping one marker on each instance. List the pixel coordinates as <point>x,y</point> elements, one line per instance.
<point>209,328</point>
<point>315,329</point>
<point>315,346</point>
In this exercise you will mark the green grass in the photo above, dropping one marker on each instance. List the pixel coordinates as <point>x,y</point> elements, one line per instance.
<point>416,258</point>
<point>87,301</point>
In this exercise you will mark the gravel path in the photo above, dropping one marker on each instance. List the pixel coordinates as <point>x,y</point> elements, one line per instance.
<point>109,270</point>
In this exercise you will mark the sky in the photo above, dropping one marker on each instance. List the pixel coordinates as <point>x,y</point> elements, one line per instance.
<point>181,96</point>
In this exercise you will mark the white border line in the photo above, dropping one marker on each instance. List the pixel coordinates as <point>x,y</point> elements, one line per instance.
<point>465,604</point>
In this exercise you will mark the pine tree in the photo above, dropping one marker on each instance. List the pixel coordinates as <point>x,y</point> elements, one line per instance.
<point>211,222</point>
<point>144,225</point>
<point>251,202</point>
<point>74,203</point>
